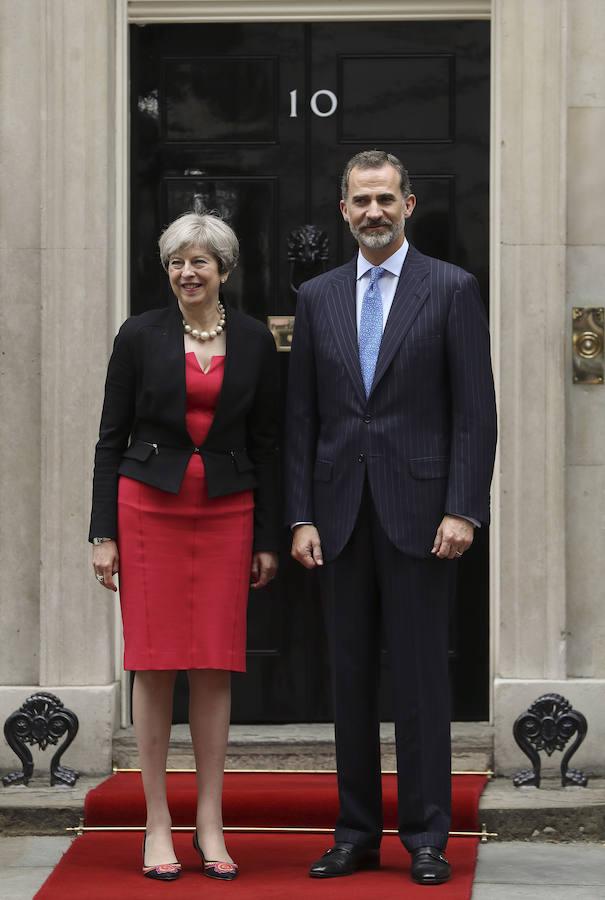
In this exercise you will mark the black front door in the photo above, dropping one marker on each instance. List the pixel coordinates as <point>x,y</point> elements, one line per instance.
<point>256,122</point>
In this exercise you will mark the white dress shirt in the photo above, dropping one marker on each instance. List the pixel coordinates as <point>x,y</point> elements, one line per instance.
<point>387,284</point>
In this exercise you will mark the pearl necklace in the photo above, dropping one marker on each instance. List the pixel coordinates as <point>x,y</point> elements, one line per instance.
<point>208,335</point>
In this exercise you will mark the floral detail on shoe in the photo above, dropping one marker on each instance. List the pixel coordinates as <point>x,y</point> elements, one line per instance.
<point>164,868</point>
<point>222,867</point>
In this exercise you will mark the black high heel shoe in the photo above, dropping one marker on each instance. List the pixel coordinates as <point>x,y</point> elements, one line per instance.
<point>162,872</point>
<point>214,868</point>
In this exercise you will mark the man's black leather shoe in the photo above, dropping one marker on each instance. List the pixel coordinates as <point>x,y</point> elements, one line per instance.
<point>344,859</point>
<point>429,866</point>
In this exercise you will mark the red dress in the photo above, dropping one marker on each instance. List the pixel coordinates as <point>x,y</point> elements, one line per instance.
<point>185,558</point>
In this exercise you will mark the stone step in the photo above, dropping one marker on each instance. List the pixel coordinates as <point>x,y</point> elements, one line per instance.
<point>41,809</point>
<point>550,813</point>
<point>303,747</point>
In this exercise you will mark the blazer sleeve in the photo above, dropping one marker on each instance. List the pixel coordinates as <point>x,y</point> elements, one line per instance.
<point>473,404</point>
<point>301,418</point>
<point>262,437</point>
<point>116,424</point>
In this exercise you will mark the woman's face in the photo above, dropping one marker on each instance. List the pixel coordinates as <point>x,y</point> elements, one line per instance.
<point>195,278</point>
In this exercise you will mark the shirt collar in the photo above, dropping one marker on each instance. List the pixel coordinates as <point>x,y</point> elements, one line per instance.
<point>393,264</point>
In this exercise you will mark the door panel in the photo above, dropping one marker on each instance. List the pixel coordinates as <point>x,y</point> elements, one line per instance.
<point>221,100</point>
<point>256,122</point>
<point>408,99</point>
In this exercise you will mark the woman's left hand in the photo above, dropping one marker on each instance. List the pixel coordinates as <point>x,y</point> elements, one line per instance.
<point>263,568</point>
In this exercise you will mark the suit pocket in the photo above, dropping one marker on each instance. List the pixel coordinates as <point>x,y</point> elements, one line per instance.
<point>242,461</point>
<point>139,450</point>
<point>322,470</point>
<point>430,467</point>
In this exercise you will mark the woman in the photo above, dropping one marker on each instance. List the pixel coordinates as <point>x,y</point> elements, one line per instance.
<point>185,508</point>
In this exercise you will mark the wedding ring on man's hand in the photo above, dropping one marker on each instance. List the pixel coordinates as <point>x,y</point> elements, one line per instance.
<point>100,578</point>
<point>458,553</point>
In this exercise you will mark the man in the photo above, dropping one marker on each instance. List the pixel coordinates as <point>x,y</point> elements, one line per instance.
<point>391,440</point>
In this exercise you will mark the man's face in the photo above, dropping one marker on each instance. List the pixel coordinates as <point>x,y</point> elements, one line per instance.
<point>375,208</point>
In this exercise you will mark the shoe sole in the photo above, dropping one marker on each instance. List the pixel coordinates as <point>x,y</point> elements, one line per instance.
<point>429,881</point>
<point>362,867</point>
<point>161,877</point>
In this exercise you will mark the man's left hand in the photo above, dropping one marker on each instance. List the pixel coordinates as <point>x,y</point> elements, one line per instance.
<point>454,536</point>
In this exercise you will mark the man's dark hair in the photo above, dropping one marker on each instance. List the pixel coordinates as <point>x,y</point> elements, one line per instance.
<point>375,159</point>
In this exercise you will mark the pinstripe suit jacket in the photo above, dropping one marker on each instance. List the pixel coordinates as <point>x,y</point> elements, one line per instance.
<point>426,434</point>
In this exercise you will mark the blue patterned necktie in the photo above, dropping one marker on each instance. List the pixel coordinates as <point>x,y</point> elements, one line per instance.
<point>370,328</point>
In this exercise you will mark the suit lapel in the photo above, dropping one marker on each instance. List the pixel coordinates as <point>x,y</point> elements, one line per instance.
<point>235,354</point>
<point>341,312</point>
<point>410,296</point>
<point>173,362</point>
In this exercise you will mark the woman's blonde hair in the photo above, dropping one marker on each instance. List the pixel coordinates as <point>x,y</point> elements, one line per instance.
<point>207,231</point>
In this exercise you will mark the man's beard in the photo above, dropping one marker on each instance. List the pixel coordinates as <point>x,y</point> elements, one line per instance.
<point>376,240</point>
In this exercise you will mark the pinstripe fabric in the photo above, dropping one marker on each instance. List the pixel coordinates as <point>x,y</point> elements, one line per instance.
<point>370,587</point>
<point>426,433</point>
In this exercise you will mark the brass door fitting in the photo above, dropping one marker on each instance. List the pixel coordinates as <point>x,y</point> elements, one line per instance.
<point>587,344</point>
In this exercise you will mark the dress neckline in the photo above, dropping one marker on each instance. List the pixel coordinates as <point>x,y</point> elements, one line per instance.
<point>212,358</point>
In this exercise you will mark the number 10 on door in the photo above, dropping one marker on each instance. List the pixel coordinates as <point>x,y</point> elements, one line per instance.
<point>329,105</point>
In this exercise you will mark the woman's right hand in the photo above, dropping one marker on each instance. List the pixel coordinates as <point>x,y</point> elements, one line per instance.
<point>106,562</point>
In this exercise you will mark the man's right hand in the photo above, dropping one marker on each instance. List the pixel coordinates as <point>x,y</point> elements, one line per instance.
<point>306,546</point>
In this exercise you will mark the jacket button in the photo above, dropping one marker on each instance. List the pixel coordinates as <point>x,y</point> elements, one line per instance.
<point>361,457</point>
<point>367,419</point>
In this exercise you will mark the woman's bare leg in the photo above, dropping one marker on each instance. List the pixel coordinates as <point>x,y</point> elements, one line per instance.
<point>209,713</point>
<point>152,716</point>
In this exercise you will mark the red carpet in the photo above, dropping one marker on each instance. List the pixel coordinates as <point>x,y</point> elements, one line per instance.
<point>303,799</point>
<point>106,866</point>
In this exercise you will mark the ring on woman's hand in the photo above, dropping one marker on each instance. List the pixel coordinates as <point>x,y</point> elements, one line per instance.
<point>458,553</point>
<point>100,578</point>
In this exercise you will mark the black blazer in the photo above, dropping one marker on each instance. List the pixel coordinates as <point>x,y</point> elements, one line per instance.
<point>424,438</point>
<point>143,433</point>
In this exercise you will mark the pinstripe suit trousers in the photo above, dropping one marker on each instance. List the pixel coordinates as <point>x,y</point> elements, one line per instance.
<point>372,583</point>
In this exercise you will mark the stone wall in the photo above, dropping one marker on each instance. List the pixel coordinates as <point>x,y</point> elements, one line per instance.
<point>550,617</point>
<point>56,104</point>
<point>20,338</point>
